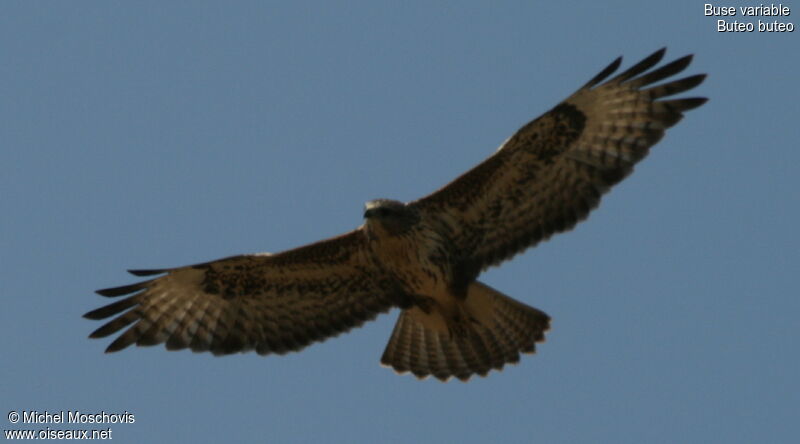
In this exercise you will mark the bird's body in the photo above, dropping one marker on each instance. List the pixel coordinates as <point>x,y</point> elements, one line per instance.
<point>423,256</point>
<point>410,251</point>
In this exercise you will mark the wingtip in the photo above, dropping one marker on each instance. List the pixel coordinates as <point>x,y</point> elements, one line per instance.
<point>681,63</point>
<point>118,344</point>
<point>120,291</point>
<point>147,272</point>
<point>692,102</point>
<point>108,292</point>
<point>655,57</point>
<point>91,315</point>
<point>695,80</point>
<point>607,71</point>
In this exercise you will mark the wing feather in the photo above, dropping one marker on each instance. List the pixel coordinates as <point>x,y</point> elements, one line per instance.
<point>550,174</point>
<point>267,303</point>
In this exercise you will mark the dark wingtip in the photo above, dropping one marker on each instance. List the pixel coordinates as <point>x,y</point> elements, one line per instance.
<point>692,81</point>
<point>147,272</point>
<point>692,102</point>
<point>94,315</point>
<point>695,80</point>
<point>642,66</point>
<point>101,332</point>
<point>120,291</point>
<point>112,309</point>
<point>97,334</point>
<point>607,71</point>
<point>679,65</point>
<point>654,58</point>
<point>118,344</point>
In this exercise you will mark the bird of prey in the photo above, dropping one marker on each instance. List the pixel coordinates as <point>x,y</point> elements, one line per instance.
<point>422,256</point>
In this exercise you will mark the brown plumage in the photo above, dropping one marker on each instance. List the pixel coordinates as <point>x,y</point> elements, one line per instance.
<point>424,256</point>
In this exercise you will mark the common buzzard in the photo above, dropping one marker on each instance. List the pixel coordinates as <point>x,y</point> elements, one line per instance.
<point>423,256</point>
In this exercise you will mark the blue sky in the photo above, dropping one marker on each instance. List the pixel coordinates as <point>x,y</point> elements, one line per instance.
<point>155,134</point>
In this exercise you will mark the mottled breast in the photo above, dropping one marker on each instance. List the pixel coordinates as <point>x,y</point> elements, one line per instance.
<point>418,259</point>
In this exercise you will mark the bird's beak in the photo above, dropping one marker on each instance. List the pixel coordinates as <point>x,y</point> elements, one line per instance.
<point>368,213</point>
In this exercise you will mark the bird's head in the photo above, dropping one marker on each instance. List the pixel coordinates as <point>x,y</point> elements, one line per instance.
<point>388,217</point>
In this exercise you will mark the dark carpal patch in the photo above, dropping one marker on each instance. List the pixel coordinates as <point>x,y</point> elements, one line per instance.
<point>572,119</point>
<point>562,125</point>
<point>230,284</point>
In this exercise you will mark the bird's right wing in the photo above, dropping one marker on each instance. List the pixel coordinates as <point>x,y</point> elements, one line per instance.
<point>267,303</point>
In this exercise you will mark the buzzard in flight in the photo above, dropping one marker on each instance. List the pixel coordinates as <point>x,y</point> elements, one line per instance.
<point>423,256</point>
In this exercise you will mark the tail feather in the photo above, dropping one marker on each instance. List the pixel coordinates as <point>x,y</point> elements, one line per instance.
<point>498,329</point>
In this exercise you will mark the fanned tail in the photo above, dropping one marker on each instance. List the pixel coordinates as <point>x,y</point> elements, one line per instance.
<point>498,329</point>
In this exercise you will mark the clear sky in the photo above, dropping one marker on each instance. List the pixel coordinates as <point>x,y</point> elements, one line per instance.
<point>156,134</point>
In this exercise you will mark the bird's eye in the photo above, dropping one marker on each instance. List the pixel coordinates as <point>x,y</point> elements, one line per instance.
<point>383,212</point>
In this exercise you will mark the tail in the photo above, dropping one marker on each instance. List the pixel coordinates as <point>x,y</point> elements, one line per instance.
<point>497,329</point>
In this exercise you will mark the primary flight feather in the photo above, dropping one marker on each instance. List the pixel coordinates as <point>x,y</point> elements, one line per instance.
<point>423,256</point>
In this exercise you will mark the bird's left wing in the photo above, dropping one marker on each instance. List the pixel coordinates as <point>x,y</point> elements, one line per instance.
<point>553,171</point>
<point>267,303</point>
